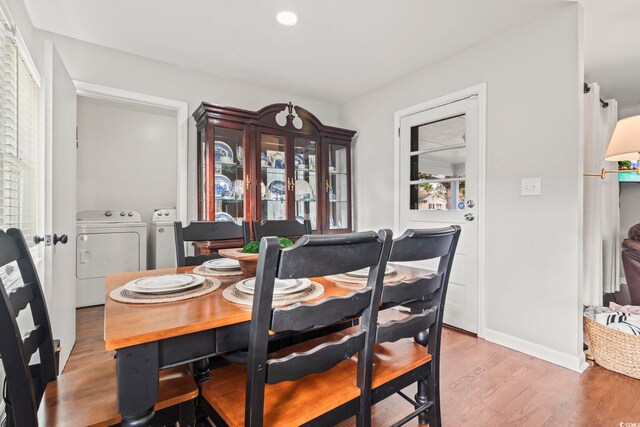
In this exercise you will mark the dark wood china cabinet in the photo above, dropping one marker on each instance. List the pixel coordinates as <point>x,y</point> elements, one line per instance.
<point>279,162</point>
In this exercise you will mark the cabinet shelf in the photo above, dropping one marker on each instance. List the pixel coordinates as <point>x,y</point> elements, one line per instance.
<point>218,200</point>
<point>269,169</point>
<point>230,167</point>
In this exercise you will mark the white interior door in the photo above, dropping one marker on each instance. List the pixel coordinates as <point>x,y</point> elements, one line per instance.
<point>439,187</point>
<point>60,199</point>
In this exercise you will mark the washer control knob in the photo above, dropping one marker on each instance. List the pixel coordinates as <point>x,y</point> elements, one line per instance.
<point>166,213</point>
<point>108,213</point>
<point>122,213</point>
<point>130,213</point>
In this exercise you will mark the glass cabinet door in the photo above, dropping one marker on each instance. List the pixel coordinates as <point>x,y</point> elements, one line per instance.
<point>337,186</point>
<point>273,174</point>
<point>306,180</point>
<point>229,183</point>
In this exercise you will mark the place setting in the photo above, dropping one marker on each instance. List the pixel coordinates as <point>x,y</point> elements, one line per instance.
<point>285,291</point>
<point>358,278</point>
<point>164,288</point>
<point>221,267</point>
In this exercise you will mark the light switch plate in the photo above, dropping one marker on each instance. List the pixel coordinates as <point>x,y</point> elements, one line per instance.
<point>530,186</point>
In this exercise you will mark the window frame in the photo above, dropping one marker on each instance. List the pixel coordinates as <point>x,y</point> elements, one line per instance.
<point>13,277</point>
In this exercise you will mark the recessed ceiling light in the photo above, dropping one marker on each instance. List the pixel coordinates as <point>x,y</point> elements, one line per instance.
<point>287,18</point>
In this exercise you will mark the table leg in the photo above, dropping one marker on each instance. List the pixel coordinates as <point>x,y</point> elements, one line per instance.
<point>138,372</point>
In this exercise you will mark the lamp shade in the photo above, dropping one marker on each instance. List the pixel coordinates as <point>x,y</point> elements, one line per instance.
<point>625,142</point>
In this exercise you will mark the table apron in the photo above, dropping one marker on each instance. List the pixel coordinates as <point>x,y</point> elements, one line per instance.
<point>186,348</point>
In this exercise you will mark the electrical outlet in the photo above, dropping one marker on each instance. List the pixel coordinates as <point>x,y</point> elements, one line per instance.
<point>530,186</point>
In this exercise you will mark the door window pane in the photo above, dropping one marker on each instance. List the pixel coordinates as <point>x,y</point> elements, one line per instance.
<point>337,187</point>
<point>306,185</point>
<point>437,162</point>
<point>274,179</point>
<point>229,185</point>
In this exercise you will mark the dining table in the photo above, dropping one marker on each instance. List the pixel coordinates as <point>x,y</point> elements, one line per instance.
<point>150,337</point>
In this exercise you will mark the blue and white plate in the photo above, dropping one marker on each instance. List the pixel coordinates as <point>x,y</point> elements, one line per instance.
<point>298,161</point>
<point>224,188</point>
<point>332,195</point>
<point>277,188</point>
<point>300,218</point>
<point>222,152</point>
<point>223,216</point>
<point>264,161</point>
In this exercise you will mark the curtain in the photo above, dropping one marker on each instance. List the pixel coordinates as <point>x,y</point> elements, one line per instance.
<point>601,263</point>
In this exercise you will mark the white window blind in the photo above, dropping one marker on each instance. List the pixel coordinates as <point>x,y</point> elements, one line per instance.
<point>18,142</point>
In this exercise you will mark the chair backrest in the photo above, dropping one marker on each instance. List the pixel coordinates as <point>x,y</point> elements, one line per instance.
<point>314,256</point>
<point>206,231</point>
<point>281,228</point>
<point>424,295</point>
<point>25,383</point>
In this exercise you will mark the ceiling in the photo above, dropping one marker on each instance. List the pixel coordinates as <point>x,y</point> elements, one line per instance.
<point>338,51</point>
<point>612,49</point>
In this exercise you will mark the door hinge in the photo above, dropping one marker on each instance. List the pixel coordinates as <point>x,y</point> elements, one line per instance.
<point>398,132</point>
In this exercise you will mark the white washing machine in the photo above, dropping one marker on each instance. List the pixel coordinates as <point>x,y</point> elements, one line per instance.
<point>111,241</point>
<point>162,245</point>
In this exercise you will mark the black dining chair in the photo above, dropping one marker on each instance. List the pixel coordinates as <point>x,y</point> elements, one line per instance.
<point>34,393</point>
<point>206,231</point>
<point>307,383</point>
<point>290,228</point>
<point>425,297</point>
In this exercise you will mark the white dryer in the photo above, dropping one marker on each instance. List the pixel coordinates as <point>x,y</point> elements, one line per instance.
<point>162,244</point>
<point>111,241</point>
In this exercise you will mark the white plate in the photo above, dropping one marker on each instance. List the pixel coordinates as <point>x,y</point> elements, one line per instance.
<point>222,264</point>
<point>164,281</point>
<point>280,283</point>
<point>196,280</point>
<point>301,285</point>
<point>364,272</point>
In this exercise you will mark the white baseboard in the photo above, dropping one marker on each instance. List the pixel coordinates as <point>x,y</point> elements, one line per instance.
<point>575,363</point>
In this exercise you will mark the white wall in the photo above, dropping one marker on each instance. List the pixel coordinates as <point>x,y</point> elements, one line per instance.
<point>533,248</point>
<point>126,157</point>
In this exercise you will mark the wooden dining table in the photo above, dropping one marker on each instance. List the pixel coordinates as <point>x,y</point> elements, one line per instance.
<point>151,337</point>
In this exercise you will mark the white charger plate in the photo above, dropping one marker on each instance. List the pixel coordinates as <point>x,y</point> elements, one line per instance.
<point>222,264</point>
<point>195,280</point>
<point>299,285</point>
<point>364,272</point>
<point>164,281</point>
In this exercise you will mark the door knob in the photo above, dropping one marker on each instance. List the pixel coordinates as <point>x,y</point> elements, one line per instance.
<point>39,239</point>
<point>62,239</point>
<point>469,217</point>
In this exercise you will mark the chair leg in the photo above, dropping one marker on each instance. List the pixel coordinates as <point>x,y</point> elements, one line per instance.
<point>429,391</point>
<point>188,413</point>
<point>361,421</point>
<point>422,397</point>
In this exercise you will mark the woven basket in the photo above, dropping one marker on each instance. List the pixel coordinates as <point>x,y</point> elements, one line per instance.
<point>614,350</point>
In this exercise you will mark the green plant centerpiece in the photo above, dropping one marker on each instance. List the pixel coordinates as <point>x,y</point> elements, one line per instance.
<point>253,247</point>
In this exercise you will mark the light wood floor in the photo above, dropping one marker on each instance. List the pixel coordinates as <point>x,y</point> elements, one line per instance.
<point>483,384</point>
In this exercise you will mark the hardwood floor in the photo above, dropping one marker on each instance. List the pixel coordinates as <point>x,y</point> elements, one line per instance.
<point>483,384</point>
